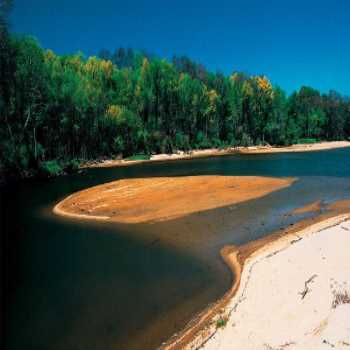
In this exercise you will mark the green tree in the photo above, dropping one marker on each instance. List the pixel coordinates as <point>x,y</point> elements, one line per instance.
<point>57,109</point>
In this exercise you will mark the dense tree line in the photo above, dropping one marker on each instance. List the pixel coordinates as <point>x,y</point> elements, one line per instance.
<point>71,107</point>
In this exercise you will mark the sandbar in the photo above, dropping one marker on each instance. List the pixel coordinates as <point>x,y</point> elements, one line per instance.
<point>164,198</point>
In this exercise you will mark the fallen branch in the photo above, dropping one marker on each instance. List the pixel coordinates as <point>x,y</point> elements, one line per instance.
<point>296,240</point>
<point>306,288</point>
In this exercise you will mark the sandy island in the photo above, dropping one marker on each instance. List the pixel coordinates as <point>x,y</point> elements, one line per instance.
<point>220,152</point>
<point>164,198</point>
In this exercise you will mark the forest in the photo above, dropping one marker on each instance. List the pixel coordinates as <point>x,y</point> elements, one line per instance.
<point>59,110</point>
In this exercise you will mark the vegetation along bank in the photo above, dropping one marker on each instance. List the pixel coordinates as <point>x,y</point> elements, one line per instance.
<point>59,110</point>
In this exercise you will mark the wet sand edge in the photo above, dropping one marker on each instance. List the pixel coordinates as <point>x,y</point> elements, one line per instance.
<point>61,212</point>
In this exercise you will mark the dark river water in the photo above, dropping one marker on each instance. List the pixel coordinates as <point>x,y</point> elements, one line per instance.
<point>72,284</point>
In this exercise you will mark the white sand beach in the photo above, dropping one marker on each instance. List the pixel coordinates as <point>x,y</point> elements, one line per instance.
<point>294,294</point>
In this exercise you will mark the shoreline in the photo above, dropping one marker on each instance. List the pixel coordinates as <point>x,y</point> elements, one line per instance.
<point>203,327</point>
<point>214,152</point>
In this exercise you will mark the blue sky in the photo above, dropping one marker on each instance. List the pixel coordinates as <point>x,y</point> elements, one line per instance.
<point>293,42</point>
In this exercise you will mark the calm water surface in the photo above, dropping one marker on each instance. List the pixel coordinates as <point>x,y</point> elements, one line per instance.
<point>84,285</point>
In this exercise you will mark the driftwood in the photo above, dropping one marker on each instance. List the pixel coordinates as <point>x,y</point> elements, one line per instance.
<point>296,240</point>
<point>306,288</point>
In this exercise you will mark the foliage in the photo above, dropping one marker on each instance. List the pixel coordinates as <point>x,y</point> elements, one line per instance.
<point>221,321</point>
<point>139,157</point>
<point>71,165</point>
<point>50,168</point>
<point>308,140</point>
<point>129,103</point>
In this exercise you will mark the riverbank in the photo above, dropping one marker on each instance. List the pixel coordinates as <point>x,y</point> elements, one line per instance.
<point>291,292</point>
<point>320,146</point>
<point>159,199</point>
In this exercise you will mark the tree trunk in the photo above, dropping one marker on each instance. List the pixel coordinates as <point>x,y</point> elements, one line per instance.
<point>35,147</point>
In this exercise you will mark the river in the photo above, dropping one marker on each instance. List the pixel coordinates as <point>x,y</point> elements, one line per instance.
<point>74,284</point>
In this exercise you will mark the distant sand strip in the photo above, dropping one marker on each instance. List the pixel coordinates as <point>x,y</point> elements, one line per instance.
<point>307,147</point>
<point>320,146</point>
